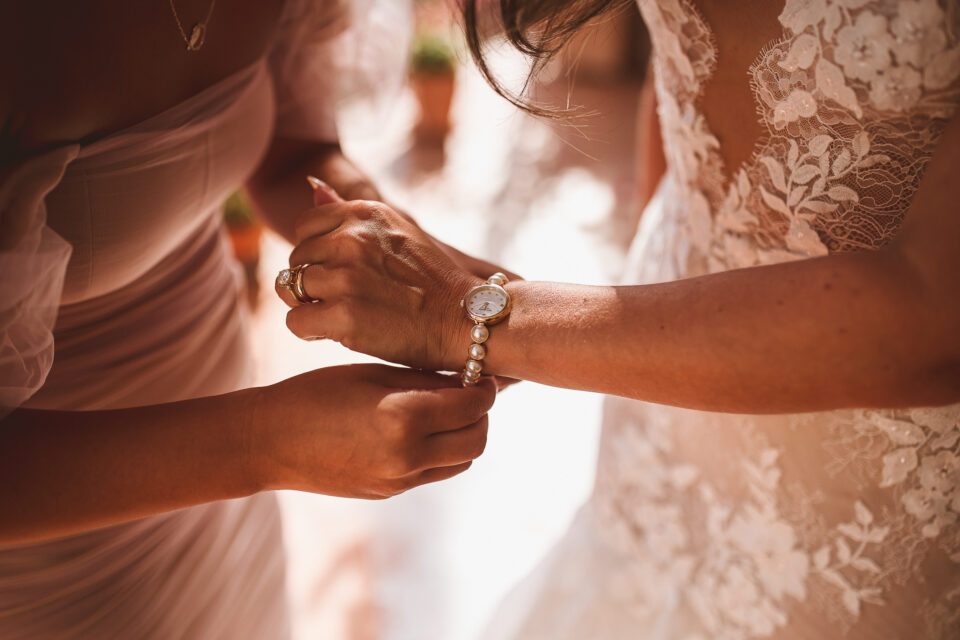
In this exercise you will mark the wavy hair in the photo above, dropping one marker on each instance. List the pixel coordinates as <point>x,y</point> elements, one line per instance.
<point>537,28</point>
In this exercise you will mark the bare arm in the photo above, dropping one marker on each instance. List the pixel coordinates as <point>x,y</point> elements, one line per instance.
<point>365,431</point>
<point>278,189</point>
<point>873,329</point>
<point>63,472</point>
<point>868,329</point>
<point>280,194</point>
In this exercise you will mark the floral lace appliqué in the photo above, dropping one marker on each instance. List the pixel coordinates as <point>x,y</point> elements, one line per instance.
<point>854,98</point>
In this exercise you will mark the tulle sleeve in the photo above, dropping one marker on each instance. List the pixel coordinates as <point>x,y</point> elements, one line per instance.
<point>329,53</point>
<point>33,262</point>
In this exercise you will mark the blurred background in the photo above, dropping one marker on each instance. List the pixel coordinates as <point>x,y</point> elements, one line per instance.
<point>548,200</point>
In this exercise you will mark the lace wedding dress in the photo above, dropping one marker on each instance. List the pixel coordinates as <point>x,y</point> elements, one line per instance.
<point>836,524</point>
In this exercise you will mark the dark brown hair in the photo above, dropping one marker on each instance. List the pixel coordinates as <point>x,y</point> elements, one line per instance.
<point>537,28</point>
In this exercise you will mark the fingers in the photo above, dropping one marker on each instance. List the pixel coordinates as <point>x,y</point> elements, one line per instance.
<point>447,454</point>
<point>319,221</point>
<point>456,447</point>
<point>451,408</point>
<point>410,379</point>
<point>439,474</point>
<point>319,283</point>
<point>321,320</point>
<point>323,193</point>
<point>317,249</point>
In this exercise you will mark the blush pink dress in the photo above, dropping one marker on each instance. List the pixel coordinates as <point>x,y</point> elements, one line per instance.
<point>122,248</point>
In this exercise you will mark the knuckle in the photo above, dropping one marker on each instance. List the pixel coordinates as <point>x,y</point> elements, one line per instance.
<point>346,321</point>
<point>357,209</point>
<point>369,209</point>
<point>348,280</point>
<point>388,488</point>
<point>397,423</point>
<point>401,463</point>
<point>352,245</point>
<point>338,281</point>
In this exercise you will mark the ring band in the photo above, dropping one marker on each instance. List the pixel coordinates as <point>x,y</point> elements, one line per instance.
<point>292,280</point>
<point>298,291</point>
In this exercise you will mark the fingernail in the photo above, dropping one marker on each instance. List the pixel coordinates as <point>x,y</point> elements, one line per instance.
<point>323,193</point>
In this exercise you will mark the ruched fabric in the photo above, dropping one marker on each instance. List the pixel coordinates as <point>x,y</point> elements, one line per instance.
<point>117,289</point>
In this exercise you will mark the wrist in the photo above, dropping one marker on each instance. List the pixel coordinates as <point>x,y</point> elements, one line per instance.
<point>245,418</point>
<point>456,326</point>
<point>486,311</point>
<point>501,345</point>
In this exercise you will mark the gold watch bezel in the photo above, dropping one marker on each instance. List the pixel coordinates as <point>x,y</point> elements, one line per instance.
<point>494,319</point>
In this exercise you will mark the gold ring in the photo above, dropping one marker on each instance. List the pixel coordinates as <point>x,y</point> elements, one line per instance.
<point>297,286</point>
<point>292,280</point>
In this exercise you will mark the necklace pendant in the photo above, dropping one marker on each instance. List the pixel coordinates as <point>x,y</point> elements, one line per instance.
<point>197,35</point>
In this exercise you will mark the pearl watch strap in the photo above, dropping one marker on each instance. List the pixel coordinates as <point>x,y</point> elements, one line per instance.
<point>479,335</point>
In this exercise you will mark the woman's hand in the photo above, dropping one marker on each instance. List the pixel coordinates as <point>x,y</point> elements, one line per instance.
<point>383,286</point>
<point>366,431</point>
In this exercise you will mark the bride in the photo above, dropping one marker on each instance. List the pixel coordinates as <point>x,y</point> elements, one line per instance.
<point>781,448</point>
<point>122,347</point>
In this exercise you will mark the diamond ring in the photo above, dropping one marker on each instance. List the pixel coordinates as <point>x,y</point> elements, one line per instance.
<point>292,280</point>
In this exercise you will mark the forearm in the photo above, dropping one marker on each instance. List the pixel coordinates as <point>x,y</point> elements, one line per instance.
<point>841,331</point>
<point>67,472</point>
<point>280,193</point>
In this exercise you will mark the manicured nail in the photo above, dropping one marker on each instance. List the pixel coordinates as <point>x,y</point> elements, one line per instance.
<point>323,193</point>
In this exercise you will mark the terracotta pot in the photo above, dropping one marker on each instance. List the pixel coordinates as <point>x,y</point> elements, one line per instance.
<point>434,92</point>
<point>246,242</point>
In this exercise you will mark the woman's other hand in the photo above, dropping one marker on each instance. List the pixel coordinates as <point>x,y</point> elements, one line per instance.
<point>365,431</point>
<point>383,286</point>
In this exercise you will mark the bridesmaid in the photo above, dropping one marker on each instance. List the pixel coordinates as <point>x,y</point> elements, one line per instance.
<point>134,457</point>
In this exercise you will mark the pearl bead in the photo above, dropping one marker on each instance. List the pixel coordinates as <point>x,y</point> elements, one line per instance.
<point>477,352</point>
<point>497,279</point>
<point>474,366</point>
<point>471,375</point>
<point>479,333</point>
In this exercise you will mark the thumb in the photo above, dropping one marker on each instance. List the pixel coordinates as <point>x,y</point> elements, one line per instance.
<point>322,192</point>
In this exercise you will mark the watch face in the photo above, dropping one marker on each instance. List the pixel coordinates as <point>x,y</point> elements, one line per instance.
<point>486,301</point>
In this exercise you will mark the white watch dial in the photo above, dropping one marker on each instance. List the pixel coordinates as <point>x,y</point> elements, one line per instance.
<point>486,302</point>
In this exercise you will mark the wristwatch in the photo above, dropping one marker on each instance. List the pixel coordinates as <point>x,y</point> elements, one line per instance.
<point>486,304</point>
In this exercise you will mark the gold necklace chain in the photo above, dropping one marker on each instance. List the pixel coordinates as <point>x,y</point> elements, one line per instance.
<point>199,31</point>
